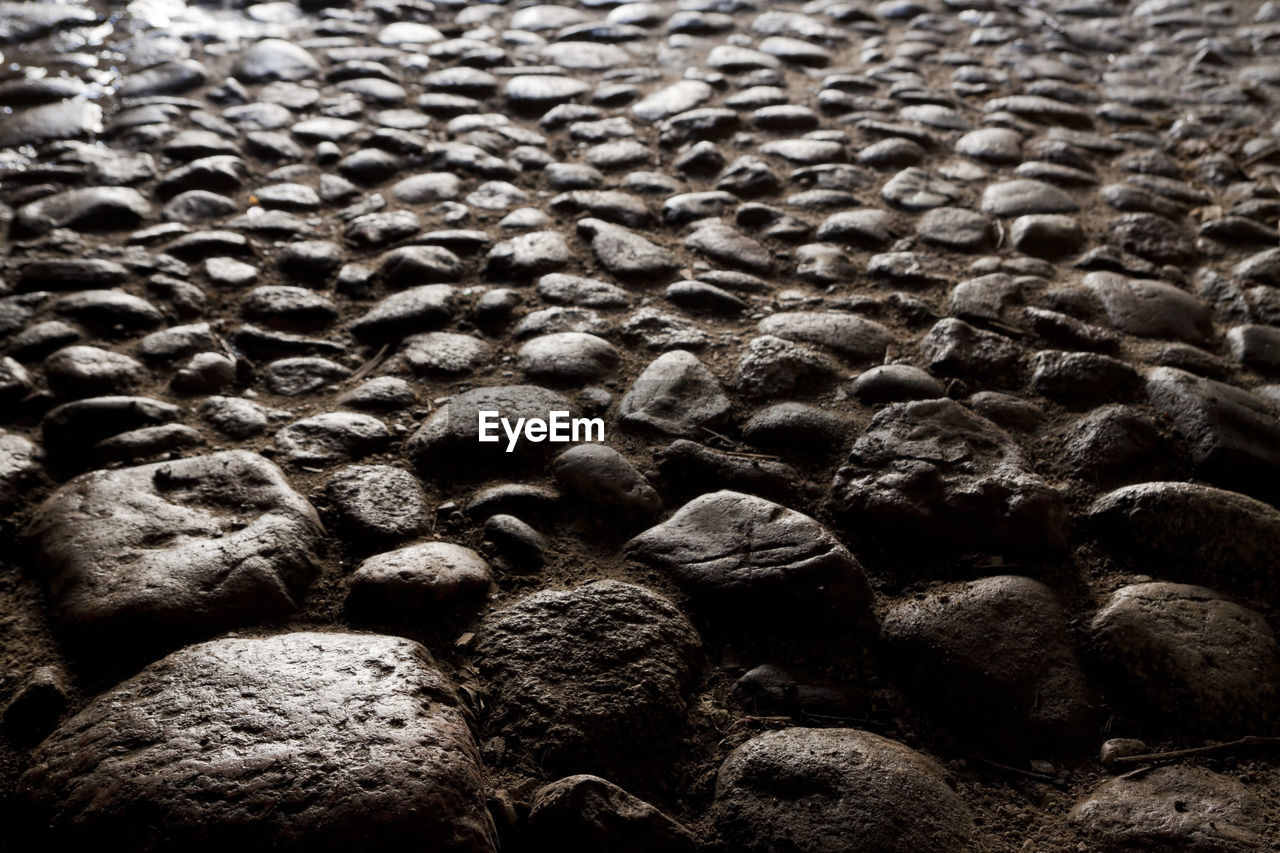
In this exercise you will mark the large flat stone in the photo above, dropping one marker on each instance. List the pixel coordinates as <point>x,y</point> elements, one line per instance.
<point>308,741</point>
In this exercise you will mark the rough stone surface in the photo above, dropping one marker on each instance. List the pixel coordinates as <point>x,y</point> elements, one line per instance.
<point>584,707</point>
<point>450,437</point>
<point>429,585</point>
<point>336,738</point>
<point>995,657</point>
<point>1186,655</point>
<point>1233,435</point>
<point>936,470</point>
<point>827,789</point>
<point>162,553</point>
<point>742,556</point>
<point>1220,535</point>
<point>378,502</point>
<point>582,813</point>
<point>1171,808</point>
<point>676,394</point>
<point>745,240</point>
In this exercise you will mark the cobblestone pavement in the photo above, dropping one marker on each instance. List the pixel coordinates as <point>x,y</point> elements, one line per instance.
<point>915,362</point>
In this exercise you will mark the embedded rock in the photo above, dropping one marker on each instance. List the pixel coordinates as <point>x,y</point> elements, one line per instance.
<point>306,741</point>
<point>937,471</point>
<point>604,706</point>
<point>834,790</point>
<point>744,557</point>
<point>164,553</point>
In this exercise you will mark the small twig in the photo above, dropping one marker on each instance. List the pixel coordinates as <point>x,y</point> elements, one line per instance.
<point>1030,774</point>
<point>1261,155</point>
<point>368,366</point>
<point>1214,749</point>
<point>723,438</point>
<point>767,456</point>
<point>837,718</point>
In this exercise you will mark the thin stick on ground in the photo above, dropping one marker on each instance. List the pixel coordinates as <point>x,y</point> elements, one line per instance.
<point>1193,752</point>
<point>1030,774</point>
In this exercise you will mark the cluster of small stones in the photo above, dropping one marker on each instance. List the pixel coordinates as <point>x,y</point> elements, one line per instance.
<point>937,344</point>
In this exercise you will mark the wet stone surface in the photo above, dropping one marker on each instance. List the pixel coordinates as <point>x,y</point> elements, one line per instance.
<point>919,361</point>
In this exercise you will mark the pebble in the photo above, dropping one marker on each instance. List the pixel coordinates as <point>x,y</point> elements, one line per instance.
<point>567,357</point>
<point>957,228</point>
<point>601,477</point>
<point>85,371</point>
<point>676,394</point>
<point>19,467</point>
<point>624,253</point>
<point>1150,308</point>
<point>449,437</point>
<point>331,438</point>
<point>444,354</point>
<point>582,813</point>
<point>514,544</point>
<point>417,309</point>
<point>797,561</point>
<point>377,502</point>
<point>892,383</point>
<point>91,209</point>
<point>1047,235</point>
<point>1172,807</point>
<point>854,337</point>
<point>936,445</point>
<point>1117,444</point>
<point>1227,429</point>
<point>774,367</point>
<point>1024,197</point>
<point>957,348</point>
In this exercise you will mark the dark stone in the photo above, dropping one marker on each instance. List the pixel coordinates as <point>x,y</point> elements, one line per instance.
<point>1178,807</point>
<point>160,554</point>
<point>584,814</point>
<point>1118,444</point>
<point>1083,377</point>
<point>792,560</point>
<point>330,438</point>
<point>934,470</point>
<point>609,706</point>
<point>432,584</point>
<point>1221,537</point>
<point>994,659</point>
<point>449,439</point>
<point>1186,656</point>
<point>377,503</point>
<point>831,790</point>
<point>1233,435</point>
